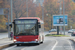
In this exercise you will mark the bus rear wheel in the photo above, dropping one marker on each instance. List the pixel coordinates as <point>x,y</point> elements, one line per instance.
<point>42,42</point>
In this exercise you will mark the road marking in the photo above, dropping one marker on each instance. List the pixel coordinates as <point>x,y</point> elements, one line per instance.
<point>54,45</point>
<point>70,45</point>
<point>10,47</point>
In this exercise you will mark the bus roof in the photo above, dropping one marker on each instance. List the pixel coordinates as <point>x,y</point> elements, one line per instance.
<point>30,18</point>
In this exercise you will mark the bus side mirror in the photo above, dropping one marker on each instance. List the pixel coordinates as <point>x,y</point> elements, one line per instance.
<point>39,26</point>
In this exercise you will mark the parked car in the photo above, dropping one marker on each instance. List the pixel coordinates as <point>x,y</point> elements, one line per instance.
<point>71,31</point>
<point>53,30</point>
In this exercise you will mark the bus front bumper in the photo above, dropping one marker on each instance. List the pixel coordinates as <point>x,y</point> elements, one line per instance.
<point>18,42</point>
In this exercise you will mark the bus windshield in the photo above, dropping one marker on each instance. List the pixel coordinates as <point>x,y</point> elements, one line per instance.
<point>26,29</point>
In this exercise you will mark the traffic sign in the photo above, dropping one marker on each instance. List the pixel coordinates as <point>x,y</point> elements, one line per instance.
<point>8,23</point>
<point>58,20</point>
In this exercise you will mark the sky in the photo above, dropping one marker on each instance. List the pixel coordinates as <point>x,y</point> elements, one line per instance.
<point>34,0</point>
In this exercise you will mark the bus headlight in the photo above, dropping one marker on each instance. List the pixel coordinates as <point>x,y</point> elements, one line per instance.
<point>14,40</point>
<point>36,39</point>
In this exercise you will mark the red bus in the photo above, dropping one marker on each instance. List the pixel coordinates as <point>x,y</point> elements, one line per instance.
<point>28,30</point>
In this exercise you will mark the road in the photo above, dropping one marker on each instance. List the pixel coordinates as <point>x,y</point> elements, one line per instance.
<point>50,43</point>
<point>3,35</point>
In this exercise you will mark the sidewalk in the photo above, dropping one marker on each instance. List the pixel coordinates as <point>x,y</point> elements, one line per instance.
<point>73,39</point>
<point>5,42</point>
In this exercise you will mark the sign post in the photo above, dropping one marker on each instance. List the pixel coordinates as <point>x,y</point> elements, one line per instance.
<point>58,21</point>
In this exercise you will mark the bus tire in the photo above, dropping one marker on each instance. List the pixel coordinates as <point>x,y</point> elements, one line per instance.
<point>42,42</point>
<point>38,43</point>
<point>17,44</point>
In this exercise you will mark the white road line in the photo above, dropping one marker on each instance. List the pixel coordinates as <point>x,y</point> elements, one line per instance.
<point>54,45</point>
<point>70,45</point>
<point>10,48</point>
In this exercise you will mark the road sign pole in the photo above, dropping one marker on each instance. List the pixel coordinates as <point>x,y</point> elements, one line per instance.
<point>57,30</point>
<point>64,16</point>
<point>11,15</point>
<point>8,25</point>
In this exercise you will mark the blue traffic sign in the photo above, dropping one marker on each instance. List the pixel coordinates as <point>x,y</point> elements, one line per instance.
<point>8,23</point>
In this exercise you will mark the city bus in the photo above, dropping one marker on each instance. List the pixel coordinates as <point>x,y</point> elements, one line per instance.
<point>28,30</point>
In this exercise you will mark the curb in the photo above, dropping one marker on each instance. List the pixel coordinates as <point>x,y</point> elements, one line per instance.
<point>72,40</point>
<point>7,45</point>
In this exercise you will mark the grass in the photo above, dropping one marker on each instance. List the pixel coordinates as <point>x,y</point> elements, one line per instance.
<point>55,35</point>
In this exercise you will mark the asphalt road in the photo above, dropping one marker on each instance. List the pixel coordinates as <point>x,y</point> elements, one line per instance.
<point>50,43</point>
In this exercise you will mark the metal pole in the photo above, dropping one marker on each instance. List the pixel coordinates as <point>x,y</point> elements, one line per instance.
<point>60,14</point>
<point>27,7</point>
<point>64,15</point>
<point>57,30</point>
<point>42,13</point>
<point>60,7</point>
<point>8,25</point>
<point>11,15</point>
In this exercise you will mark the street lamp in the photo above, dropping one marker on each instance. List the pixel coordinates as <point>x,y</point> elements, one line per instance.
<point>41,2</point>
<point>43,13</point>
<point>27,7</point>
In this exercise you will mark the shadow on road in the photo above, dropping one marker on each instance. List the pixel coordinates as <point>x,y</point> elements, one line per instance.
<point>28,44</point>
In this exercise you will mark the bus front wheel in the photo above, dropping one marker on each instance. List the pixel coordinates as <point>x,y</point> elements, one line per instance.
<point>38,43</point>
<point>42,42</point>
<point>17,44</point>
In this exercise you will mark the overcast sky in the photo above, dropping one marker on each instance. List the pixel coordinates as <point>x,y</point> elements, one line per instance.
<point>34,0</point>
